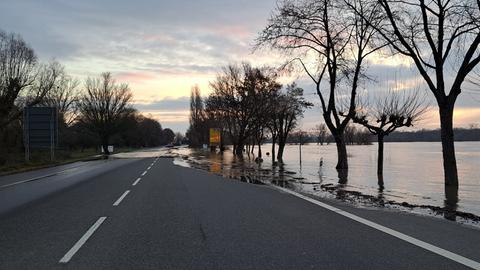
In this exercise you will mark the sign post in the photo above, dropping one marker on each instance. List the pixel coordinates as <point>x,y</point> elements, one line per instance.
<point>40,129</point>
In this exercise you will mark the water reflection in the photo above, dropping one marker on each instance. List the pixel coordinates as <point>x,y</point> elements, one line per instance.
<point>413,173</point>
<point>215,167</point>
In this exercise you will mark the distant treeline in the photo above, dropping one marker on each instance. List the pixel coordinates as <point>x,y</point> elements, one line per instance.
<point>359,136</point>
<point>426,135</point>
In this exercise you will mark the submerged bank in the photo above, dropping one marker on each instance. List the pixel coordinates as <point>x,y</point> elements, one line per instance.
<point>318,181</point>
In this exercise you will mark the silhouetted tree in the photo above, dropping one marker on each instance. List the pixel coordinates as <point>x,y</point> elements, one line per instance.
<point>150,131</point>
<point>64,95</point>
<point>289,108</point>
<point>338,40</point>
<point>168,136</point>
<point>103,105</point>
<point>442,39</point>
<point>198,130</point>
<point>23,82</point>
<point>17,72</point>
<point>396,110</point>
<point>237,101</point>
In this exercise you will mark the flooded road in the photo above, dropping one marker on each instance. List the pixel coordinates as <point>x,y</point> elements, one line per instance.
<point>413,173</point>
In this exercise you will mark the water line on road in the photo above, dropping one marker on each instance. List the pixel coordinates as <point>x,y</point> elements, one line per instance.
<point>41,177</point>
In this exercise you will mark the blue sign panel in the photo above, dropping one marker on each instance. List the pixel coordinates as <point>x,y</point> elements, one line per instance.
<point>40,127</point>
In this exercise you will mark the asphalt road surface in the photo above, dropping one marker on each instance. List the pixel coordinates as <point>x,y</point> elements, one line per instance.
<point>150,214</point>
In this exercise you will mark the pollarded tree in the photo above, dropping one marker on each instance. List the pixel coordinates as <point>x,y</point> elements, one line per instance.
<point>337,40</point>
<point>442,39</point>
<point>103,105</point>
<point>394,111</point>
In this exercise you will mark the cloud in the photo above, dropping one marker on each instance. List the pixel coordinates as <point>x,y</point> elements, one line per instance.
<point>162,48</point>
<point>169,116</point>
<point>167,104</point>
<point>170,112</point>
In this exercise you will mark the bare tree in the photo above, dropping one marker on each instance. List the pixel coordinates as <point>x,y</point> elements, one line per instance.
<point>198,130</point>
<point>289,108</point>
<point>339,40</point>
<point>17,72</point>
<point>442,39</point>
<point>64,96</point>
<point>103,105</point>
<point>321,131</point>
<point>396,110</point>
<point>237,101</point>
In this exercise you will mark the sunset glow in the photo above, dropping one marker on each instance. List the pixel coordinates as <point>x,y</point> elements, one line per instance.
<point>162,57</point>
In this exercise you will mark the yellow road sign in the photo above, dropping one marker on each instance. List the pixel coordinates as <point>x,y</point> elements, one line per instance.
<point>215,136</point>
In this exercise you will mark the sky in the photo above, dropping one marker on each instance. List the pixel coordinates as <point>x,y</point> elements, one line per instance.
<point>163,48</point>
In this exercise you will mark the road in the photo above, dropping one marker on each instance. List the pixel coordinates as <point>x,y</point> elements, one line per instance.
<point>150,214</point>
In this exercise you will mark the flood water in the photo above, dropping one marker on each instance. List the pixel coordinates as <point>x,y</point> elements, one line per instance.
<point>413,172</point>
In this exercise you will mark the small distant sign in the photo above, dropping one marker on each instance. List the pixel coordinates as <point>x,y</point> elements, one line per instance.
<point>110,148</point>
<point>215,137</point>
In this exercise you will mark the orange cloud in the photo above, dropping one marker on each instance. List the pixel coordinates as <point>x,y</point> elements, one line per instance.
<point>462,117</point>
<point>180,116</point>
<point>134,77</point>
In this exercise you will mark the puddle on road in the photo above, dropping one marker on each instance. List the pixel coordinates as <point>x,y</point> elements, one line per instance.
<point>148,153</point>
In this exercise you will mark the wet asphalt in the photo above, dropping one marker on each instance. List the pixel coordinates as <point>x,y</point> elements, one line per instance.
<point>182,218</point>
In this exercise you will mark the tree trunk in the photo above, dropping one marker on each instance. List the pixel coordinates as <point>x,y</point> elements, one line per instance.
<point>281,147</point>
<point>259,151</point>
<point>342,163</point>
<point>274,141</point>
<point>380,137</point>
<point>448,146</point>
<point>239,150</point>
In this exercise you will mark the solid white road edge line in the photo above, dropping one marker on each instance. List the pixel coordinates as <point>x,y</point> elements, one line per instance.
<point>437,250</point>
<point>40,177</point>
<point>68,256</point>
<point>117,202</point>
<point>145,172</point>
<point>136,181</point>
